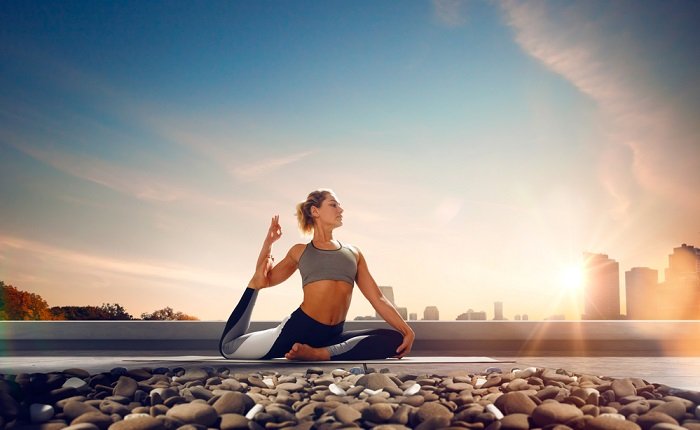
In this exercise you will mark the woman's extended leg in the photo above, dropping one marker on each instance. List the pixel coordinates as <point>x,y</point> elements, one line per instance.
<point>235,343</point>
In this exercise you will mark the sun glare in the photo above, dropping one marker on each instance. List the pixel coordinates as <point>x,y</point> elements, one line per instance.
<point>572,277</point>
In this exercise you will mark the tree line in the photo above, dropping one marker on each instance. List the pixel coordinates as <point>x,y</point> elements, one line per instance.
<point>16,304</point>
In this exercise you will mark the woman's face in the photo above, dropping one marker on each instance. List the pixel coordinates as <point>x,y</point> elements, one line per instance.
<point>330,212</point>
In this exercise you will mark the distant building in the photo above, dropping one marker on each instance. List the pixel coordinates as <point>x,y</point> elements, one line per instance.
<point>679,294</point>
<point>413,316</point>
<point>525,317</point>
<point>471,315</point>
<point>431,313</point>
<point>403,312</point>
<point>641,291</point>
<point>557,317</point>
<point>517,317</point>
<point>601,289</point>
<point>498,311</point>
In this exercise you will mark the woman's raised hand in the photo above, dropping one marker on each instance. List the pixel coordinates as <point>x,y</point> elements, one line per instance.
<point>275,230</point>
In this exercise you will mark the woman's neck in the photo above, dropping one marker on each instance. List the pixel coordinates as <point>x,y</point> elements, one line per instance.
<point>322,235</point>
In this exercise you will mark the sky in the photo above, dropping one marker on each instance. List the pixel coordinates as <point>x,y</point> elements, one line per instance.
<point>478,148</point>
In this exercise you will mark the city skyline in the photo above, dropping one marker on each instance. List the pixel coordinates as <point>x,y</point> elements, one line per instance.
<point>477,148</point>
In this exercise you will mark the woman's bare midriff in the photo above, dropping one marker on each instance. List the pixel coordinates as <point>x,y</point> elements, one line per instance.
<point>327,301</point>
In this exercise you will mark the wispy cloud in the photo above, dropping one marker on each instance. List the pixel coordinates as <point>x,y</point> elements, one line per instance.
<point>260,169</point>
<point>646,136</point>
<point>450,13</point>
<point>80,261</point>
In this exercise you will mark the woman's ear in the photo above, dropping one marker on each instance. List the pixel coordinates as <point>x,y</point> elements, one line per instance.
<point>314,211</point>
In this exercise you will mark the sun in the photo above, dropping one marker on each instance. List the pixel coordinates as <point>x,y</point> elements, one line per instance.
<point>572,277</point>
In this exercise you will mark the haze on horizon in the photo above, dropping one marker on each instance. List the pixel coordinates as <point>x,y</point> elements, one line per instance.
<point>478,148</point>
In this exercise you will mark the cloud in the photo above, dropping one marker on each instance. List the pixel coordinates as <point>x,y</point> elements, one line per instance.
<point>600,55</point>
<point>260,169</point>
<point>450,13</point>
<point>139,269</point>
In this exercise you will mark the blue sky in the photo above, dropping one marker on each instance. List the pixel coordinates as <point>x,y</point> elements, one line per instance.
<point>478,147</point>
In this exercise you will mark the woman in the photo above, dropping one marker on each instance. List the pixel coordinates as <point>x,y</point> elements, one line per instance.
<point>329,270</point>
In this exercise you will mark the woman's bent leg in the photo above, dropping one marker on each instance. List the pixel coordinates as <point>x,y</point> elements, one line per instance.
<point>235,343</point>
<point>365,344</point>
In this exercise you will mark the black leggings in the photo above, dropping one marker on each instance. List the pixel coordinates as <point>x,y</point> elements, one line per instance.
<point>299,327</point>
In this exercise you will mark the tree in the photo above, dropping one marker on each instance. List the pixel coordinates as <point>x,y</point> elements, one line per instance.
<point>167,314</point>
<point>105,312</point>
<point>21,305</point>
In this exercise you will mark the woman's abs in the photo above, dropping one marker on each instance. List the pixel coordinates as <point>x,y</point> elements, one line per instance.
<point>327,301</point>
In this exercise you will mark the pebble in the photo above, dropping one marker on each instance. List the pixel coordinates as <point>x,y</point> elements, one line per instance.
<point>194,413</point>
<point>376,381</point>
<point>549,413</point>
<point>515,403</point>
<point>126,387</point>
<point>75,382</point>
<point>604,422</point>
<point>39,413</point>
<point>138,423</point>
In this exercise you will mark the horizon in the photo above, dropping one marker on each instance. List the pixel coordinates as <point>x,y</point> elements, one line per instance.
<point>477,148</point>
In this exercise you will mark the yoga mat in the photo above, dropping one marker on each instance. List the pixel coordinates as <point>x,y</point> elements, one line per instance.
<point>282,361</point>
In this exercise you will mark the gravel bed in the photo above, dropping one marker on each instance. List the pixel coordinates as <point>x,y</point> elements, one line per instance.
<point>209,398</point>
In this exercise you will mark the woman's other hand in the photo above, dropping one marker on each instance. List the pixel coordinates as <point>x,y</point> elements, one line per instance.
<point>275,230</point>
<point>406,345</point>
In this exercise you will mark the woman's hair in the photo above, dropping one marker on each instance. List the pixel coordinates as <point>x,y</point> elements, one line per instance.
<point>315,198</point>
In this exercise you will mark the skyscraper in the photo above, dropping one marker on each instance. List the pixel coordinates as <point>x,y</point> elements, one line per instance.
<point>431,313</point>
<point>641,291</point>
<point>679,294</point>
<point>498,310</point>
<point>601,289</point>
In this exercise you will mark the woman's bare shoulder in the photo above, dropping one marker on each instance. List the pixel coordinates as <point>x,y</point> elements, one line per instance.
<point>296,250</point>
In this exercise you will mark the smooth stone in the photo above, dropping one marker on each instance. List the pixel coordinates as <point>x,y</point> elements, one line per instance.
<point>458,386</point>
<point>515,402</point>
<point>414,401</point>
<point>516,421</point>
<point>79,373</point>
<point>346,414</point>
<point>550,413</point>
<point>139,423</point>
<point>434,423</point>
<point>74,409</point>
<point>75,382</point>
<point>376,381</point>
<point>126,387</point>
<point>378,413</point>
<point>549,375</point>
<point>254,411</point>
<point>233,422</point>
<point>335,389</point>
<point>194,413</point>
<point>134,415</point>
<point>401,415</point>
<point>697,412</point>
<point>82,426</point>
<point>411,390</point>
<point>233,402</point>
<point>193,374</point>
<point>639,407</point>
<point>200,392</point>
<point>390,427</point>
<point>648,420</point>
<point>613,416</point>
<point>112,407</point>
<point>101,420</point>
<point>604,422</point>
<point>495,411</point>
<point>549,392</point>
<point>674,409</point>
<point>623,388</point>
<point>39,413</point>
<point>290,386</point>
<point>433,409</point>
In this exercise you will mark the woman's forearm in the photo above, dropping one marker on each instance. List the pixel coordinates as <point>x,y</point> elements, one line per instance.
<point>264,252</point>
<point>392,316</point>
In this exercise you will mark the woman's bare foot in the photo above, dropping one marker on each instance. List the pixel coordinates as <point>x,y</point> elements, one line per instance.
<point>301,351</point>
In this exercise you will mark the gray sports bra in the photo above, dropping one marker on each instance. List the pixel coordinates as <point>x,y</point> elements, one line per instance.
<point>321,264</point>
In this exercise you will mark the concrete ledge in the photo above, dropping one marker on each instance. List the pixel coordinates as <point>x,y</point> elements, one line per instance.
<point>438,337</point>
